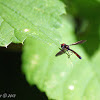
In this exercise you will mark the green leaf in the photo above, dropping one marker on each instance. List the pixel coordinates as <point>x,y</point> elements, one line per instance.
<point>20,19</point>
<point>86,9</point>
<point>62,78</point>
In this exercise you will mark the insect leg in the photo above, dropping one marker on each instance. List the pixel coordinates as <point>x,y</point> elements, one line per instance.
<point>60,48</point>
<point>68,54</point>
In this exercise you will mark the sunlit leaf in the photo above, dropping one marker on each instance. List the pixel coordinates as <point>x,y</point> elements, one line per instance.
<point>61,78</point>
<point>20,19</point>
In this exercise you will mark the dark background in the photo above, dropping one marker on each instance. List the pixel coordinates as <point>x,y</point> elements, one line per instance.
<point>12,80</point>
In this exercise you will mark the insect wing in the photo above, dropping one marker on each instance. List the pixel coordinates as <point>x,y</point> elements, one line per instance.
<point>79,42</point>
<point>76,54</point>
<point>59,53</point>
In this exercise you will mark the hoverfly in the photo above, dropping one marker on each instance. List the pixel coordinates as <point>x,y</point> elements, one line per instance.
<point>65,48</point>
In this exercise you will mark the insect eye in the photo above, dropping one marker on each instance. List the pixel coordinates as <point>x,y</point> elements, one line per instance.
<point>62,45</point>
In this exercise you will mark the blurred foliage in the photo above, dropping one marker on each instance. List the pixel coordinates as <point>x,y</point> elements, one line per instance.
<point>86,11</point>
<point>44,24</point>
<point>61,78</point>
